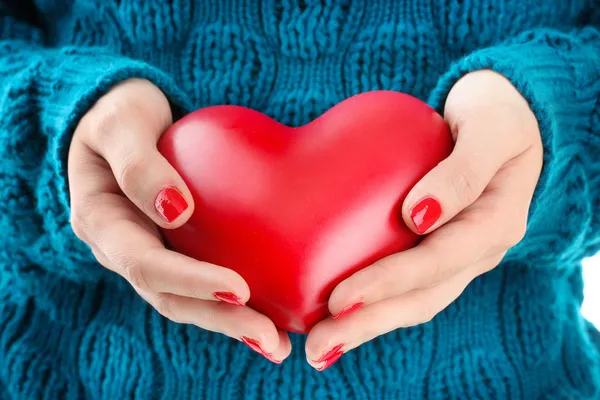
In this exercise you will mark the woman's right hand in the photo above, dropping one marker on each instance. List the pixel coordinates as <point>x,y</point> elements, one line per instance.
<point>122,190</point>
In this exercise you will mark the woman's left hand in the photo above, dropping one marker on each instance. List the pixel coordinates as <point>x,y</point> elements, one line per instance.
<point>473,206</point>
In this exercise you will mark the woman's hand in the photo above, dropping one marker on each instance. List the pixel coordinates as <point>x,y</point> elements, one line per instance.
<point>473,205</point>
<point>122,189</point>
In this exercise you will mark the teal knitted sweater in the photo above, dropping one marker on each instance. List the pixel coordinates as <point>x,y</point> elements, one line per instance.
<point>69,329</point>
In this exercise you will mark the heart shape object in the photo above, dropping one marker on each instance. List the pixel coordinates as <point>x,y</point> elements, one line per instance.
<point>296,210</point>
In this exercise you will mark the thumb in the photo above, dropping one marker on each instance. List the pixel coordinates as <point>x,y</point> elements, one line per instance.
<point>149,181</point>
<point>127,140</point>
<point>456,182</point>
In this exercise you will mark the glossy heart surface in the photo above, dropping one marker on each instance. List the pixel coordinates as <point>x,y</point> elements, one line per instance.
<point>296,210</point>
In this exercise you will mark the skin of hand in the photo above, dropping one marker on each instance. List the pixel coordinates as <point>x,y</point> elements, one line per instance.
<point>473,207</point>
<point>122,190</point>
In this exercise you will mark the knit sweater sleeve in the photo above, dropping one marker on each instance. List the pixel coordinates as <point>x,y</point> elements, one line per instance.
<point>44,92</point>
<point>559,74</point>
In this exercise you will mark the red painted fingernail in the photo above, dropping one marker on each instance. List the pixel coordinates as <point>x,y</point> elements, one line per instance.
<point>330,361</point>
<point>254,345</point>
<point>330,357</point>
<point>348,309</point>
<point>425,214</point>
<point>170,204</point>
<point>229,298</point>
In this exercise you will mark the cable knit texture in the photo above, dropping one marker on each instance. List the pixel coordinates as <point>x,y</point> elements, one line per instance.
<point>71,330</point>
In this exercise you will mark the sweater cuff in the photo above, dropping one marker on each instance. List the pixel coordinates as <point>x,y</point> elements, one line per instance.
<point>555,72</point>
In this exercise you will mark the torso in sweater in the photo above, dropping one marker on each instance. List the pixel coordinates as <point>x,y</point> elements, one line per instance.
<point>508,336</point>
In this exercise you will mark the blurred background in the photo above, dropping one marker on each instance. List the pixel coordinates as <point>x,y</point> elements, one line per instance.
<point>591,303</point>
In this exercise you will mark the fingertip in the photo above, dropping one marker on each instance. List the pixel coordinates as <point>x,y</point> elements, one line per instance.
<point>345,296</point>
<point>422,214</point>
<point>284,338</point>
<point>269,338</point>
<point>336,300</point>
<point>257,332</point>
<point>327,358</point>
<point>323,348</point>
<point>284,349</point>
<point>174,205</point>
<point>236,283</point>
<point>268,342</point>
<point>319,338</point>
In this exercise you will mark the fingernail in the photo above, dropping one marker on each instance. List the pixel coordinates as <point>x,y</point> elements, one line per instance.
<point>330,361</point>
<point>254,345</point>
<point>229,298</point>
<point>170,204</point>
<point>425,214</point>
<point>348,309</point>
<point>330,357</point>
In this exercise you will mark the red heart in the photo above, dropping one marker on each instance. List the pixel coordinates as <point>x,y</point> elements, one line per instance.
<point>296,210</point>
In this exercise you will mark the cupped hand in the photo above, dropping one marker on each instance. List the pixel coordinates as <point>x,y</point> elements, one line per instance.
<point>122,190</point>
<point>473,206</point>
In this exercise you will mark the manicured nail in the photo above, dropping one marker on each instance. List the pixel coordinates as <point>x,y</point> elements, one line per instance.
<point>229,298</point>
<point>425,214</point>
<point>330,361</point>
<point>348,309</point>
<point>170,204</point>
<point>254,345</point>
<point>330,357</point>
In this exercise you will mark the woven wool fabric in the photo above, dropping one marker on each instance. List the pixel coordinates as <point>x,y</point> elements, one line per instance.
<point>69,329</point>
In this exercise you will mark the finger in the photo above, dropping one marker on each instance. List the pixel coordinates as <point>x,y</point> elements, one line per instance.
<point>331,338</point>
<point>285,346</point>
<point>141,258</point>
<point>90,178</point>
<point>460,179</point>
<point>279,354</point>
<point>125,241</point>
<point>459,243</point>
<point>489,226</point>
<point>257,331</point>
<point>492,225</point>
<point>129,144</point>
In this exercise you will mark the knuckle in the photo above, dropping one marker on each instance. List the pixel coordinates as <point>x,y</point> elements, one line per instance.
<point>132,270</point>
<point>493,263</point>
<point>466,186</point>
<point>439,271</point>
<point>427,314</point>
<point>385,268</point>
<point>122,105</point>
<point>131,171</point>
<point>104,122</point>
<point>165,305</point>
<point>209,321</point>
<point>99,257</point>
<point>516,234</point>
<point>83,220</point>
<point>78,223</point>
